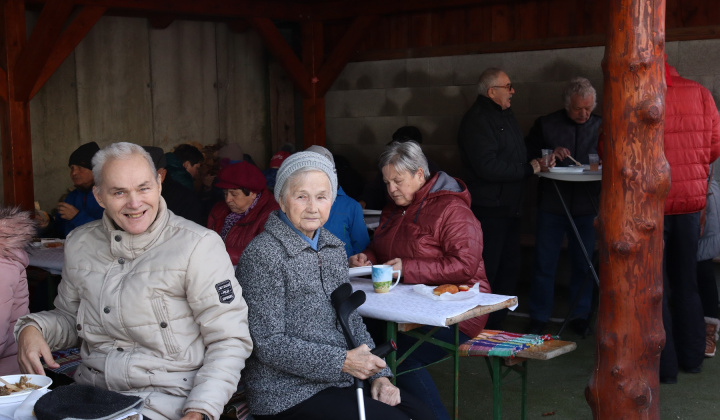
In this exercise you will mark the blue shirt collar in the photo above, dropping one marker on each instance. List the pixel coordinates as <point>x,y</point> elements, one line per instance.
<point>312,242</point>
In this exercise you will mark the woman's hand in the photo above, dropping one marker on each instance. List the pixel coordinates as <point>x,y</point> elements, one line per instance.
<point>384,391</point>
<point>396,265</point>
<point>362,364</point>
<point>359,260</point>
<point>31,347</point>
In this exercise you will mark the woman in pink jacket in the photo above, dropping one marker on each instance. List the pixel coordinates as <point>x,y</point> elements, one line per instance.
<point>429,233</point>
<point>16,230</point>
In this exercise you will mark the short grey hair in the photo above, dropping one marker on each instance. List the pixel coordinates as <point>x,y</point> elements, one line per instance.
<point>407,156</point>
<point>488,79</point>
<point>293,180</point>
<point>115,151</point>
<point>579,86</point>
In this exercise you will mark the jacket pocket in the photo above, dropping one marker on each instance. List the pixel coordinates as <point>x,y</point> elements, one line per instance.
<point>163,322</point>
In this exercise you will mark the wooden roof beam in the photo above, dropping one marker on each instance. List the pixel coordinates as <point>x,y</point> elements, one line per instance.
<point>36,51</point>
<point>342,53</point>
<point>81,24</point>
<point>277,45</point>
<point>282,9</point>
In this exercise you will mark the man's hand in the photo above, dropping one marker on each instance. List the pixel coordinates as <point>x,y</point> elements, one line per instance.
<point>561,153</point>
<point>67,211</point>
<point>362,364</point>
<point>535,165</point>
<point>192,415</point>
<point>384,391</point>
<point>31,347</point>
<point>359,260</point>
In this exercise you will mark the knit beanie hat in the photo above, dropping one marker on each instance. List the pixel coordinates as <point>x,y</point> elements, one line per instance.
<point>82,156</point>
<point>85,402</point>
<point>323,151</point>
<point>302,160</point>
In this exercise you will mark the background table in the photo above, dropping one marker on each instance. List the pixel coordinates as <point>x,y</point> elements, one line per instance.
<point>49,259</point>
<point>403,310</point>
<point>585,176</point>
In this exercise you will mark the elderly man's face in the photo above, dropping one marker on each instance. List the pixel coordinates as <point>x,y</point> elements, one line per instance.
<point>307,202</point>
<point>580,108</point>
<point>81,177</point>
<point>502,91</point>
<point>130,193</point>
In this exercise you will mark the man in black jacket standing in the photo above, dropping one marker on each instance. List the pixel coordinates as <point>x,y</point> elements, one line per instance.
<point>572,131</point>
<point>494,157</point>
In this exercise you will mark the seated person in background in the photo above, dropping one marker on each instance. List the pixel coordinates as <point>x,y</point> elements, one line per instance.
<point>429,232</point>
<point>275,161</point>
<point>177,198</point>
<point>155,307</point>
<point>572,131</point>
<point>79,206</point>
<point>16,230</point>
<point>346,219</point>
<point>300,367</point>
<point>243,214</point>
<point>374,195</point>
<point>183,165</point>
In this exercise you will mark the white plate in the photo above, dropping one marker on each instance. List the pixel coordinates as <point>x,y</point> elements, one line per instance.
<point>567,169</point>
<point>40,380</point>
<point>360,271</point>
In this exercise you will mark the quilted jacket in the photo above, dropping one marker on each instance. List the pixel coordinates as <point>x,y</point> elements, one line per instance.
<point>692,143</point>
<point>246,228</point>
<point>160,314</point>
<point>437,237</point>
<point>16,230</point>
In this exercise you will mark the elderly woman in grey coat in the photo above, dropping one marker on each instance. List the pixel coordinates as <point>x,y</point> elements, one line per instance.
<point>301,367</point>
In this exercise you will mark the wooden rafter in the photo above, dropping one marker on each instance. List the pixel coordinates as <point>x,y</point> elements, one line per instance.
<point>34,55</point>
<point>277,45</point>
<point>282,9</point>
<point>342,53</point>
<point>65,45</point>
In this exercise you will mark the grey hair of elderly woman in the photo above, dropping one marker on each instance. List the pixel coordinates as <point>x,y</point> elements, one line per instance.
<point>579,86</point>
<point>403,157</point>
<point>117,151</point>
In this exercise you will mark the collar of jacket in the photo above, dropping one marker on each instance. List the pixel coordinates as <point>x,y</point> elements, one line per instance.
<point>292,242</point>
<point>485,102</point>
<point>127,245</point>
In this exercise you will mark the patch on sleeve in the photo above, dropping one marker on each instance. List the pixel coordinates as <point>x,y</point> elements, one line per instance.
<point>225,291</point>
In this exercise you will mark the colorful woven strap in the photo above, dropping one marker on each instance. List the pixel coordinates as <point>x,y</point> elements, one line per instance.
<point>500,343</point>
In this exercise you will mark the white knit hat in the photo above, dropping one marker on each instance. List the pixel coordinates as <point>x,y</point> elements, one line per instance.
<point>302,160</point>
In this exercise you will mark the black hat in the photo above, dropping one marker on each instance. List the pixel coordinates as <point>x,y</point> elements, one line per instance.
<point>85,402</point>
<point>82,156</point>
<point>157,155</point>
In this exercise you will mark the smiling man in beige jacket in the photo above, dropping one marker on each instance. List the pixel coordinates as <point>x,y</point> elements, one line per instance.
<point>150,297</point>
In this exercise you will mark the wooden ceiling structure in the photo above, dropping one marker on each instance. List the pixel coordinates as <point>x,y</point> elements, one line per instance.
<point>330,32</point>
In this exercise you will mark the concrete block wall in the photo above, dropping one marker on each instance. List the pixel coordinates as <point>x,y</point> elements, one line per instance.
<point>370,100</point>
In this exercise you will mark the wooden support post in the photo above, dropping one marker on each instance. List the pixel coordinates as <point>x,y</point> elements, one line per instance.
<point>314,105</point>
<point>15,114</point>
<point>636,179</point>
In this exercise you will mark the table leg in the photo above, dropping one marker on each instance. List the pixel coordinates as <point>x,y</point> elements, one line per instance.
<point>582,247</point>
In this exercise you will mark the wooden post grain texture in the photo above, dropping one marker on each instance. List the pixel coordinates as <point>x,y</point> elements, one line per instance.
<point>630,335</point>
<point>14,112</point>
